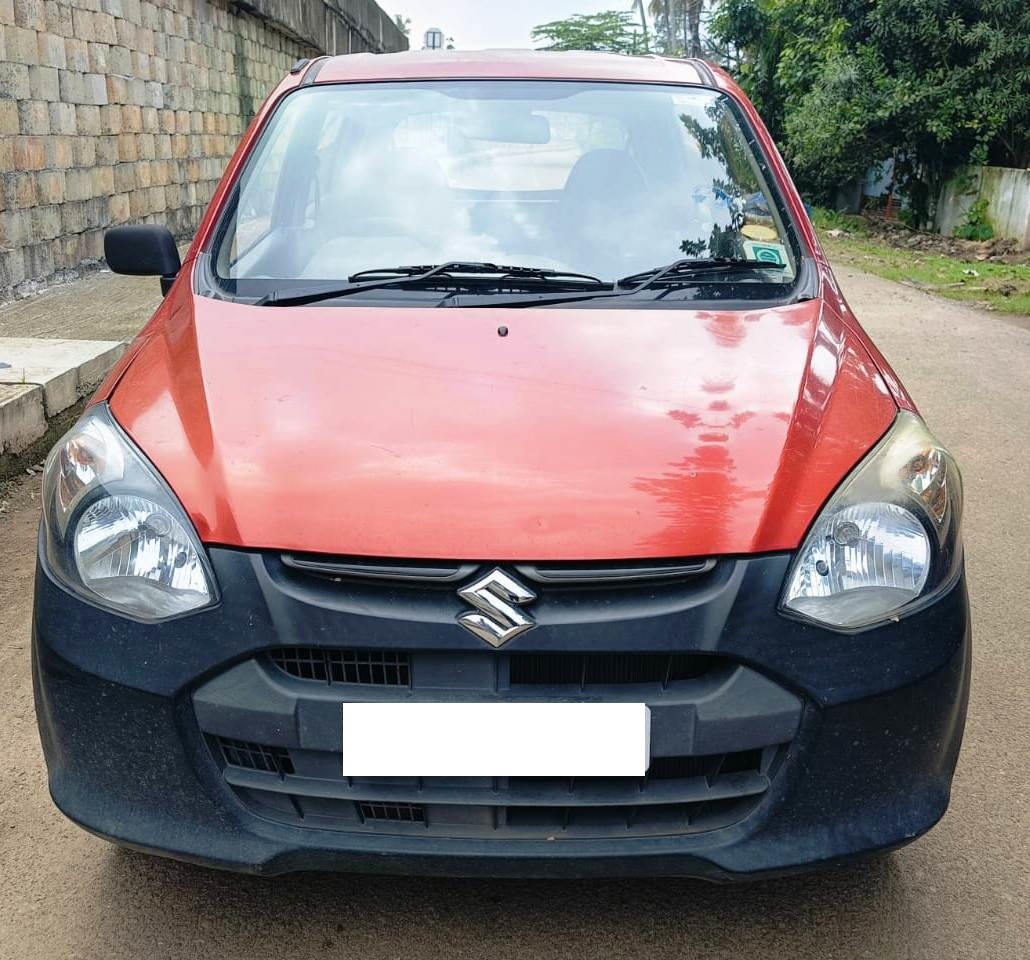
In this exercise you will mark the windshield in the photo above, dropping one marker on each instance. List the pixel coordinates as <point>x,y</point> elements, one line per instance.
<point>598,178</point>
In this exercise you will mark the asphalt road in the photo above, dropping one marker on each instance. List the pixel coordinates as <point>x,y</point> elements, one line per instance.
<point>961,892</point>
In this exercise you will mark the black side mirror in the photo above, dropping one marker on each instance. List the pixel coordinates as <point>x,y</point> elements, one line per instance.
<point>143,250</point>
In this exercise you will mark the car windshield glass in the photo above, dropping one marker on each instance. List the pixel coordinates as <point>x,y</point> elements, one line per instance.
<point>605,179</point>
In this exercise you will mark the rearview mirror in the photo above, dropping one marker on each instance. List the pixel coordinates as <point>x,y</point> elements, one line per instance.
<point>143,250</point>
<point>507,126</point>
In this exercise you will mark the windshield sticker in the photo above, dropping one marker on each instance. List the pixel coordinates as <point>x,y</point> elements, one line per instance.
<point>766,252</point>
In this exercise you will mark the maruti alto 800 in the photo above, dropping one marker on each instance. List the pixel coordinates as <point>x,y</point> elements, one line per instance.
<point>503,487</point>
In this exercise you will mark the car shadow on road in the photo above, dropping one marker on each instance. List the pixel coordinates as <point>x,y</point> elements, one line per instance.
<point>862,905</point>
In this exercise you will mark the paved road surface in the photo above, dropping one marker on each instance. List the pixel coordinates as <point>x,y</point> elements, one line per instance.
<point>961,892</point>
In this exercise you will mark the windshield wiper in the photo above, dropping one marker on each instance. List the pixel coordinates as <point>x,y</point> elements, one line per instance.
<point>481,268</point>
<point>687,269</point>
<point>438,274</point>
<point>679,272</point>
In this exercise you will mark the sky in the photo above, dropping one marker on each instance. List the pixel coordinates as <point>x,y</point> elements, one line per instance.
<point>477,24</point>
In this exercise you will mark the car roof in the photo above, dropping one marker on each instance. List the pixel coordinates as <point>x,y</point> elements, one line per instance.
<point>511,64</point>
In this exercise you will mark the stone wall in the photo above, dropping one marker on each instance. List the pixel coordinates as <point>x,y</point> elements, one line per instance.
<point>342,26</point>
<point>118,111</point>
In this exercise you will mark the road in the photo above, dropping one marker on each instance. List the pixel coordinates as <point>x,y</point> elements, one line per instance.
<point>961,892</point>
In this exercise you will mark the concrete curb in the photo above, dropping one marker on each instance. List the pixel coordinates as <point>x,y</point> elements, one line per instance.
<point>40,379</point>
<point>22,416</point>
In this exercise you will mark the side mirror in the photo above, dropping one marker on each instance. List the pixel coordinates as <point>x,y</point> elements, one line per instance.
<point>143,250</point>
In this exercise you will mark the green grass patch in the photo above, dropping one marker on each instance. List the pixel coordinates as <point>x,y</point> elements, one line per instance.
<point>825,219</point>
<point>996,285</point>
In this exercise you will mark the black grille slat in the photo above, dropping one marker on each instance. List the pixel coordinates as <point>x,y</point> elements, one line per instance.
<point>668,819</point>
<point>392,812</point>
<point>561,819</point>
<point>606,669</point>
<point>628,573</point>
<point>671,780</point>
<point>255,756</point>
<point>741,761</point>
<point>685,768</point>
<point>380,668</point>
<point>420,572</point>
<point>441,573</point>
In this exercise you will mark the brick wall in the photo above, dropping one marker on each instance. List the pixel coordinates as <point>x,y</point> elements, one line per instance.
<point>116,111</point>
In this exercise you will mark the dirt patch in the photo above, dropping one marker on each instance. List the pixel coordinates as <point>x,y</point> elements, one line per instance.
<point>19,492</point>
<point>897,234</point>
<point>990,274</point>
<point>30,459</point>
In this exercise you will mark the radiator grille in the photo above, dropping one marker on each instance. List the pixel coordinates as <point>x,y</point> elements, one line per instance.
<point>381,668</point>
<point>393,668</point>
<point>605,669</point>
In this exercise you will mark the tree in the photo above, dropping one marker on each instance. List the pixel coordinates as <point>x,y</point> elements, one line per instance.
<point>780,48</point>
<point>692,28</point>
<point>638,5</point>
<point>662,11</point>
<point>844,84</point>
<point>403,24</point>
<point>678,27</point>
<point>841,126</point>
<point>614,31</point>
<point>957,75</point>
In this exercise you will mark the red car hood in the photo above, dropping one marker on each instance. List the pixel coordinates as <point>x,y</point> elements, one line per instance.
<point>582,434</point>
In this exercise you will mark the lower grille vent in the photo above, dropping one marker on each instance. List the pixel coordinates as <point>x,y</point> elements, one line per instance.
<point>711,767</point>
<point>254,756</point>
<point>654,819</point>
<point>380,668</point>
<point>679,795</point>
<point>395,812</point>
<point>606,669</point>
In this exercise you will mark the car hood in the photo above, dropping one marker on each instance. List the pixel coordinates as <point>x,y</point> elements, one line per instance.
<point>425,433</point>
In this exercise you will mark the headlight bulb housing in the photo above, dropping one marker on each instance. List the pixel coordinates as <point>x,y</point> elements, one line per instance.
<point>887,543</point>
<point>114,533</point>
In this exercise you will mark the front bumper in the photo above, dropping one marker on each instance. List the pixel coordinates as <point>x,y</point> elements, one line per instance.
<point>852,740</point>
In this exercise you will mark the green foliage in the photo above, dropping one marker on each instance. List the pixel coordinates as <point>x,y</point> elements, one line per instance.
<point>403,24</point>
<point>721,139</point>
<point>844,84</point>
<point>781,47</point>
<point>832,136</point>
<point>976,225</point>
<point>826,218</point>
<point>908,217</point>
<point>613,31</point>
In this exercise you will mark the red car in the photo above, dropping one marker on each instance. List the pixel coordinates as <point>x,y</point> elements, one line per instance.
<point>502,487</point>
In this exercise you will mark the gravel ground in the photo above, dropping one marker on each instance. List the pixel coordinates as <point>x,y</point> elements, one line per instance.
<point>961,892</point>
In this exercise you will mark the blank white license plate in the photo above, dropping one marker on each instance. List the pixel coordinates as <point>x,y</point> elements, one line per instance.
<point>496,739</point>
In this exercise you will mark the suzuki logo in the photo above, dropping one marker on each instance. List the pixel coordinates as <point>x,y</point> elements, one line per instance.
<point>497,597</point>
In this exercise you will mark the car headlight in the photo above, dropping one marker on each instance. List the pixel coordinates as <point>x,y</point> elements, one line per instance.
<point>114,533</point>
<point>888,542</point>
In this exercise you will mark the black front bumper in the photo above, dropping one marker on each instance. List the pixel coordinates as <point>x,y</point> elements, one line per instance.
<point>789,746</point>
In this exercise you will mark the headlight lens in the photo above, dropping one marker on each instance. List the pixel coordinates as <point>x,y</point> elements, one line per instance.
<point>114,532</point>
<point>888,541</point>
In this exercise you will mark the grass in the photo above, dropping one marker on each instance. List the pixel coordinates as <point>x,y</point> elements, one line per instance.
<point>995,285</point>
